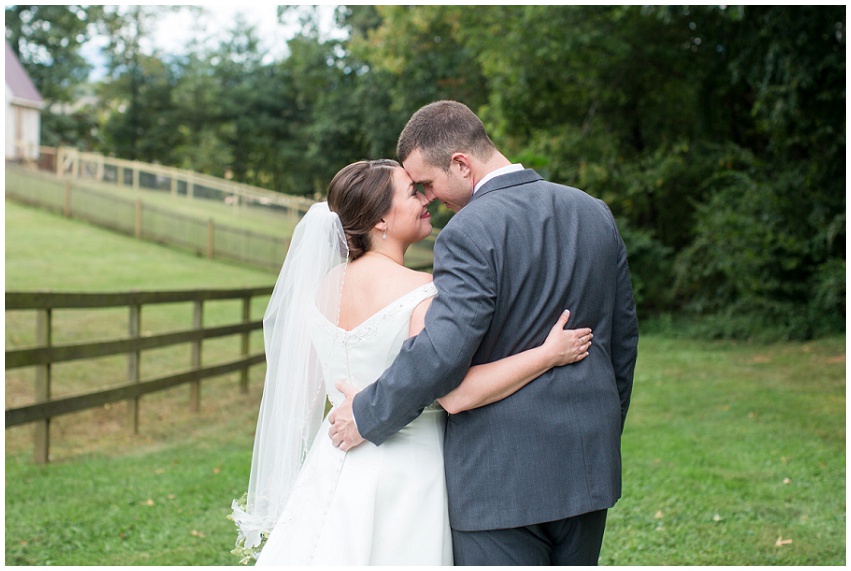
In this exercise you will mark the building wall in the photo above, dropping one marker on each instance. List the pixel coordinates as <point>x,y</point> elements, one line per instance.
<point>22,130</point>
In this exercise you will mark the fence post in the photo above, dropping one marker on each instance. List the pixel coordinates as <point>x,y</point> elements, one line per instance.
<point>134,363</point>
<point>195,386</point>
<point>246,317</point>
<point>135,176</point>
<point>139,206</point>
<point>42,388</point>
<point>67,211</point>
<point>120,176</point>
<point>60,158</point>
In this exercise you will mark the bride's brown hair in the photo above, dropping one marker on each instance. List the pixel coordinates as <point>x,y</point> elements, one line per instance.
<point>361,194</point>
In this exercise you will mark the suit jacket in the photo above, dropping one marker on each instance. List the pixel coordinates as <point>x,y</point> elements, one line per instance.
<point>505,267</point>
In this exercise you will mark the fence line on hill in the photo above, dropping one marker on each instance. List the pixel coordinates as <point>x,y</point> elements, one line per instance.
<point>67,162</point>
<point>45,354</point>
<point>135,217</point>
<point>65,176</point>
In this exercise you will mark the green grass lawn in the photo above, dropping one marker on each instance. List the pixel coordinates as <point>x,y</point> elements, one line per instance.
<point>47,251</point>
<point>734,453</point>
<point>150,505</point>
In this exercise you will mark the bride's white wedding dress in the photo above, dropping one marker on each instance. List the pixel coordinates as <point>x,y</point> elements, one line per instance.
<point>373,505</point>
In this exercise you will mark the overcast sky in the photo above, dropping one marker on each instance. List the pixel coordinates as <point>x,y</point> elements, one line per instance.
<point>175,29</point>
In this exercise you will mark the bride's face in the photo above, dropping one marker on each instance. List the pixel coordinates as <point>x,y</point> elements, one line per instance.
<point>408,219</point>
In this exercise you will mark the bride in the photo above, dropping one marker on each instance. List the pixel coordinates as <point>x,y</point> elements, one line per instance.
<point>340,311</point>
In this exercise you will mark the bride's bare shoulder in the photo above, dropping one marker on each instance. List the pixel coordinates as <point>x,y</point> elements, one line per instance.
<point>418,278</point>
<point>399,280</point>
<point>370,286</point>
<point>382,281</point>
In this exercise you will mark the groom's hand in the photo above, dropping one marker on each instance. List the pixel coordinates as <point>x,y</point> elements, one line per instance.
<point>344,432</point>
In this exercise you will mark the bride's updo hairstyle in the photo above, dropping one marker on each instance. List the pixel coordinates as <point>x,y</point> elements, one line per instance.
<point>361,194</point>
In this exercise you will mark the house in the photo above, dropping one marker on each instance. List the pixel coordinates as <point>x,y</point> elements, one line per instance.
<point>23,111</point>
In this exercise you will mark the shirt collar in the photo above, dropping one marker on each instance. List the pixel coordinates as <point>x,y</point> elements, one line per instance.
<point>496,173</point>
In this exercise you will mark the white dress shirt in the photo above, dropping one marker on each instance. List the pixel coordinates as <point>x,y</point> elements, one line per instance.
<point>497,172</point>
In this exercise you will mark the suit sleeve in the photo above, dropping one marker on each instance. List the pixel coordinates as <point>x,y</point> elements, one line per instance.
<point>624,330</point>
<point>434,362</point>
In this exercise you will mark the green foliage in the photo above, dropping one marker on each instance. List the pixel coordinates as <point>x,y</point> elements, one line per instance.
<point>715,134</point>
<point>649,265</point>
<point>420,47</point>
<point>757,259</point>
<point>79,129</point>
<point>47,39</point>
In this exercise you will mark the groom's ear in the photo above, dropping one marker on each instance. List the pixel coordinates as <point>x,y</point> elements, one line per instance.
<point>463,162</point>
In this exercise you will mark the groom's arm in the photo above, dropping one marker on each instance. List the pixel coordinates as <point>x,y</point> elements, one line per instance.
<point>434,362</point>
<point>624,350</point>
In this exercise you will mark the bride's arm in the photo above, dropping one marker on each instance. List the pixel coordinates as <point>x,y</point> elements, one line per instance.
<point>491,382</point>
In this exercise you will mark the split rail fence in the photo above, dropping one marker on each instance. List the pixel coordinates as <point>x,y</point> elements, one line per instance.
<point>45,354</point>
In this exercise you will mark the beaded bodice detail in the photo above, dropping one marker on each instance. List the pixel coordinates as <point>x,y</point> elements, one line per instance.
<point>362,354</point>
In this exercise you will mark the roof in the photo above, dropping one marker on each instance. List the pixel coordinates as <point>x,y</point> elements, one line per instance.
<point>19,82</point>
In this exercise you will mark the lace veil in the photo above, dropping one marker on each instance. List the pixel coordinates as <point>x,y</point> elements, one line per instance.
<point>293,401</point>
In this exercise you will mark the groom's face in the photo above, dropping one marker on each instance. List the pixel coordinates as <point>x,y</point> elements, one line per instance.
<point>450,187</point>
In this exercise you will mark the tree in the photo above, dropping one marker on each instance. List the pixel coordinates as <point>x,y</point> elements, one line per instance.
<point>140,85</point>
<point>420,47</point>
<point>198,103</point>
<point>770,238</point>
<point>715,134</point>
<point>48,40</point>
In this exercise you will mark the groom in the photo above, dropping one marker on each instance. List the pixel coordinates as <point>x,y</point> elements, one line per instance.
<point>529,477</point>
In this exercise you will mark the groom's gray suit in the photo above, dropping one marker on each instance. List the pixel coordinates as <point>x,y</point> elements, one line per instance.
<point>505,267</point>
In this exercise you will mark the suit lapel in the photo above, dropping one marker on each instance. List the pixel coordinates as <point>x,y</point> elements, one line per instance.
<point>517,178</point>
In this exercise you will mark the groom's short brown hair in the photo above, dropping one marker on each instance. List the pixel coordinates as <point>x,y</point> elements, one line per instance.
<point>442,128</point>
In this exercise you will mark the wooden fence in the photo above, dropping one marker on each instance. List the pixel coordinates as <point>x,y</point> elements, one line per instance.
<point>68,162</point>
<point>64,179</point>
<point>46,354</point>
<point>135,216</point>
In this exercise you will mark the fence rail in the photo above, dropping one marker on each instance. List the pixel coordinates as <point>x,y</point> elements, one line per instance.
<point>46,354</point>
<point>64,179</point>
<point>135,217</point>
<point>68,162</point>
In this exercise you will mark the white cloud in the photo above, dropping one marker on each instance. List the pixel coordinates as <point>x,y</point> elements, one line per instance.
<point>176,29</point>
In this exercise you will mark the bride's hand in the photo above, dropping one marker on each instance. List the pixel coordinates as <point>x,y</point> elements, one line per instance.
<point>566,346</point>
